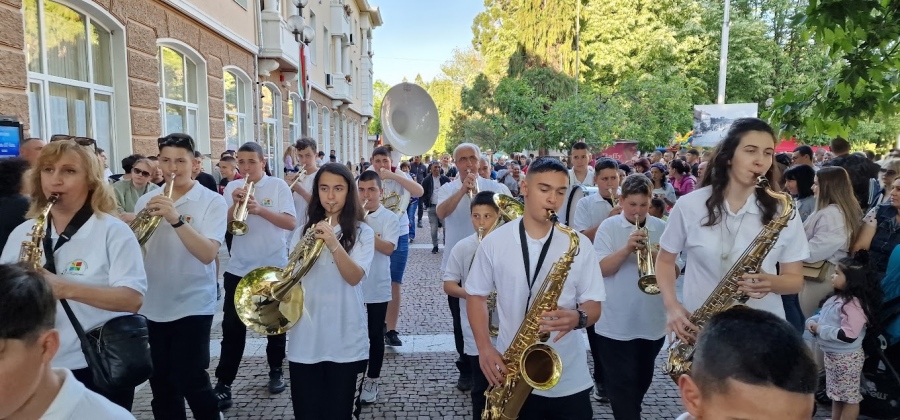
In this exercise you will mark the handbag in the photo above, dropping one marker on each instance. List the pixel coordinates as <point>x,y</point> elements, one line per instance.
<point>816,271</point>
<point>117,352</point>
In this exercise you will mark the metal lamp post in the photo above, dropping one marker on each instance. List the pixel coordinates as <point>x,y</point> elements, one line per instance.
<point>303,34</point>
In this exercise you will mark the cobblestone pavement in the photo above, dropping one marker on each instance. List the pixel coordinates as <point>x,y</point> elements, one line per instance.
<point>418,381</point>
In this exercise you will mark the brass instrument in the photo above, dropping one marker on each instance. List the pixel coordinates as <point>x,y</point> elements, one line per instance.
<point>510,208</point>
<point>365,212</point>
<point>396,203</point>
<point>493,327</point>
<point>300,177</point>
<point>646,269</point>
<point>473,192</point>
<point>238,225</point>
<point>144,224</point>
<point>726,295</point>
<point>32,251</point>
<point>612,197</point>
<point>531,363</point>
<point>267,299</point>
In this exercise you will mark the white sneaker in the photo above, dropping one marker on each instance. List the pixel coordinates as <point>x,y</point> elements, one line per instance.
<point>369,391</point>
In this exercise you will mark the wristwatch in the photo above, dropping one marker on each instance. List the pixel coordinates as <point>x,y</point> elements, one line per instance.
<point>179,223</point>
<point>582,319</point>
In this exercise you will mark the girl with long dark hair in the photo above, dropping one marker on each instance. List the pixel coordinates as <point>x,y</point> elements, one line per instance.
<point>662,188</point>
<point>329,347</point>
<point>799,181</point>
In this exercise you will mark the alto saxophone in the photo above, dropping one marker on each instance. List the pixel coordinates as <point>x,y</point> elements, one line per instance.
<point>530,362</point>
<point>32,251</point>
<point>726,295</point>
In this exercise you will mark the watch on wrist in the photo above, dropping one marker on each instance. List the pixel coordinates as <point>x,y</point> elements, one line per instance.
<point>179,223</point>
<point>582,319</point>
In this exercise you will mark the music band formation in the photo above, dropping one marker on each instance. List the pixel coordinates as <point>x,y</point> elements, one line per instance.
<point>317,263</point>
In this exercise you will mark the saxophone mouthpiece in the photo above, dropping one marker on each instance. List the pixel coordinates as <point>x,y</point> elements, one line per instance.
<point>551,216</point>
<point>762,181</point>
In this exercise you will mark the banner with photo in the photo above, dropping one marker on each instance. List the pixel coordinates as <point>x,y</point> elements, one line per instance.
<point>711,122</point>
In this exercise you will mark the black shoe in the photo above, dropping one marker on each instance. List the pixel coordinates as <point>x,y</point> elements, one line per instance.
<point>464,383</point>
<point>392,338</point>
<point>223,396</point>
<point>600,394</point>
<point>276,381</point>
<point>434,250</point>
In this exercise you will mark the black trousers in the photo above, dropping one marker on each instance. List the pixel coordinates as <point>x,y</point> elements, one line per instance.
<point>628,369</point>
<point>479,386</point>
<point>462,363</point>
<point>327,390</point>
<point>180,352</point>
<point>419,211</point>
<point>123,398</point>
<point>234,337</point>
<point>594,343</point>
<point>376,313</point>
<point>571,407</point>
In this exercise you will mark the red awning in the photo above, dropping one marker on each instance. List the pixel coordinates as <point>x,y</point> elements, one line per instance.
<point>788,146</point>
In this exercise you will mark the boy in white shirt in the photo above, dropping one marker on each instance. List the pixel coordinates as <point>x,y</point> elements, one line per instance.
<point>302,190</point>
<point>496,266</point>
<point>376,287</point>
<point>29,387</point>
<point>485,214</point>
<point>581,174</point>
<point>749,364</point>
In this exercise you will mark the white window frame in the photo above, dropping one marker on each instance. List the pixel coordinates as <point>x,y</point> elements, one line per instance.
<point>244,113</point>
<point>294,120</point>
<point>313,110</point>
<point>201,137</point>
<point>312,44</point>
<point>325,138</point>
<point>120,116</point>
<point>275,162</point>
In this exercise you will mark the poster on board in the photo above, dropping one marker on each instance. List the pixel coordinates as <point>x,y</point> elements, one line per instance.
<point>11,134</point>
<point>711,122</point>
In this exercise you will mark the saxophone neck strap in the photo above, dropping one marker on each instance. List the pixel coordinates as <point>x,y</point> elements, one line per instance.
<point>80,218</point>
<point>525,257</point>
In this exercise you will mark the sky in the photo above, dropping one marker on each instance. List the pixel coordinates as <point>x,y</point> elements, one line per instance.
<point>420,35</point>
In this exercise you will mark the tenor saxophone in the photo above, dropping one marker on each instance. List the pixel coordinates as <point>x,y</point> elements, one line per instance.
<point>32,250</point>
<point>530,362</point>
<point>726,295</point>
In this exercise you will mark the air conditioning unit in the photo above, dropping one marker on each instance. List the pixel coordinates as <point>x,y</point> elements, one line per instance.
<point>328,80</point>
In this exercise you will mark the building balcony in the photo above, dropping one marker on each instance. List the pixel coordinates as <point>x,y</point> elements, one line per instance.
<point>340,23</point>
<point>278,42</point>
<point>339,88</point>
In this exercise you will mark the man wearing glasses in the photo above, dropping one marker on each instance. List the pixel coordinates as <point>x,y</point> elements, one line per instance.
<point>803,155</point>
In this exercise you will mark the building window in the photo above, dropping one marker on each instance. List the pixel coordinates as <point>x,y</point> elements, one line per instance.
<point>325,139</point>
<point>294,113</point>
<point>270,141</point>
<point>235,110</point>
<point>70,77</point>
<point>243,3</point>
<point>178,92</point>
<point>313,119</point>
<point>312,44</point>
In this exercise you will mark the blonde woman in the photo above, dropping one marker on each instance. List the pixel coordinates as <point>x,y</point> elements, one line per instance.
<point>291,160</point>
<point>890,168</point>
<point>830,229</point>
<point>128,191</point>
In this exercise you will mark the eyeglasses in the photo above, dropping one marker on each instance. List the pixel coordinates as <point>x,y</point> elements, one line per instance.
<point>137,171</point>
<point>889,172</point>
<point>81,141</point>
<point>177,140</point>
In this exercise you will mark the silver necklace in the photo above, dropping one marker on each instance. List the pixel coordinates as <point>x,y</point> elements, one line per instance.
<point>732,235</point>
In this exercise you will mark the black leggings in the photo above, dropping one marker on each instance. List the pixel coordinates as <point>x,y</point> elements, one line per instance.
<point>376,313</point>
<point>327,390</point>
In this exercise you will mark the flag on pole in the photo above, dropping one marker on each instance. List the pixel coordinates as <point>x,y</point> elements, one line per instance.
<point>304,80</point>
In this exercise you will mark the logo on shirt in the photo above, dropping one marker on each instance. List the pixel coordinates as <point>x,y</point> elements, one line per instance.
<point>267,202</point>
<point>77,268</point>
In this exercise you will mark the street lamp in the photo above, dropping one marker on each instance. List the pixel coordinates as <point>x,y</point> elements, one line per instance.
<point>303,34</point>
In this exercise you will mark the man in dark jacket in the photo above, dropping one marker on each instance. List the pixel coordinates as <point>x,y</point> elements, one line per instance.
<point>860,169</point>
<point>418,171</point>
<point>429,200</point>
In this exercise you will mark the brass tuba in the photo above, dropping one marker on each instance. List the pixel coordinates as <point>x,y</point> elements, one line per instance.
<point>726,295</point>
<point>32,251</point>
<point>144,224</point>
<point>532,364</point>
<point>268,299</point>
<point>238,224</point>
<point>646,269</point>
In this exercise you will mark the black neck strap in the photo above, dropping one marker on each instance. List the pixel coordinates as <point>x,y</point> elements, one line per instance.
<point>76,223</point>
<point>525,257</point>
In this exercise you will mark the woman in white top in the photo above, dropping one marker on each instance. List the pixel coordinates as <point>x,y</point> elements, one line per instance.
<point>830,230</point>
<point>662,188</point>
<point>713,226</point>
<point>99,270</point>
<point>329,348</point>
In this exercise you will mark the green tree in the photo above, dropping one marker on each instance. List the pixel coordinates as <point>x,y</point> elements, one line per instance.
<point>379,89</point>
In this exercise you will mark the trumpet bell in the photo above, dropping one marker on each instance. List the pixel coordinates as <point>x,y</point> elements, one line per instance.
<point>648,285</point>
<point>238,228</point>
<point>259,309</point>
<point>409,119</point>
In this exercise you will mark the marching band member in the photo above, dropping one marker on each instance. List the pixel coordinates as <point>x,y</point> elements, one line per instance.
<point>453,207</point>
<point>302,190</point>
<point>632,328</point>
<point>271,217</point>
<point>181,279</point>
<point>376,288</point>
<point>328,352</point>
<point>496,267</point>
<point>484,215</point>
<point>97,264</point>
<point>395,182</point>
<point>713,226</point>
<point>581,175</point>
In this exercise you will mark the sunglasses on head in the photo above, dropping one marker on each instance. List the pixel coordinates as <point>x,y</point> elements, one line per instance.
<point>81,141</point>
<point>178,140</point>
<point>137,171</point>
<point>889,172</point>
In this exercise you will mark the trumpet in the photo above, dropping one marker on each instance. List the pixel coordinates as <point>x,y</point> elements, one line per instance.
<point>300,177</point>
<point>646,270</point>
<point>612,197</point>
<point>144,224</point>
<point>365,212</point>
<point>238,225</point>
<point>473,192</point>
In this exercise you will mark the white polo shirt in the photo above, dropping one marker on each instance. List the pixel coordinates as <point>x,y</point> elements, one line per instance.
<point>74,401</point>
<point>264,244</point>
<point>103,253</point>
<point>391,186</point>
<point>590,212</point>
<point>300,203</point>
<point>588,179</point>
<point>458,267</point>
<point>628,313</point>
<point>178,284</point>
<point>334,326</point>
<point>499,265</point>
<point>710,251</point>
<point>377,285</point>
<point>458,224</point>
